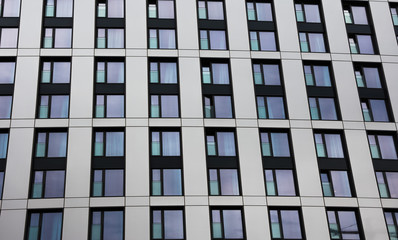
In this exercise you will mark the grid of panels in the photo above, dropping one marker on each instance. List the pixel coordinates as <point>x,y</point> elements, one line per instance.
<point>218,117</point>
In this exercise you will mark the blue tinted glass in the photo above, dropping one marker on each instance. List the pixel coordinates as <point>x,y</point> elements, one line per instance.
<point>51,228</point>
<point>114,144</point>
<point>233,228</point>
<point>173,224</point>
<point>226,144</point>
<point>54,184</point>
<point>171,143</point>
<point>3,145</point>
<point>57,144</point>
<point>114,182</point>
<point>167,39</point>
<point>280,144</point>
<point>172,182</point>
<point>113,225</point>
<point>291,224</point>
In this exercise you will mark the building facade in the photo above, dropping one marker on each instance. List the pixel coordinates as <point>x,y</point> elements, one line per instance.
<point>198,119</point>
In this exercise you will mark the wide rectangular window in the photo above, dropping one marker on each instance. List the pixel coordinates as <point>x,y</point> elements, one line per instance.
<point>51,144</point>
<point>161,9</point>
<point>44,225</point>
<point>312,42</point>
<point>285,224</point>
<point>167,224</point>
<point>279,182</point>
<point>329,145</point>
<point>374,110</point>
<point>107,224</point>
<point>110,8</point>
<point>322,108</point>
<point>388,184</point>
<point>108,182</point>
<point>355,15</point>
<point>213,40</point>
<point>57,38</point>
<point>343,224</point>
<point>275,144</point>
<point>259,11</point>
<point>335,184</point>
<point>317,75</point>
<point>367,77</point>
<point>308,13</point>
<point>227,223</point>
<point>110,38</point>
<point>221,144</point>
<point>59,8</point>
<point>211,10</point>
<point>166,182</point>
<point>163,72</point>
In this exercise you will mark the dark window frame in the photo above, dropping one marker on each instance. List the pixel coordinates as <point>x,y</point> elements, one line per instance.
<point>358,218</point>
<point>102,210</point>
<point>221,209</point>
<point>279,209</point>
<point>41,212</point>
<point>162,209</point>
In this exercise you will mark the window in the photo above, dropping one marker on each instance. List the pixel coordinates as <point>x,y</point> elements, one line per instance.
<point>383,146</point>
<point>394,15</point>
<point>317,75</point>
<point>308,13</point>
<point>217,89</point>
<point>49,164</point>
<point>226,223</point>
<point>107,224</point>
<point>343,224</point>
<point>368,77</point>
<point>8,37</point>
<point>286,224</point>
<point>108,163</point>
<point>213,40</point>
<point>262,41</point>
<point>335,184</point>
<point>109,88</point>
<point>388,184</point>
<point>221,144</point>
<point>57,38</point>
<point>259,11</point>
<point>374,110</point>
<point>329,145</point>
<point>224,182</point>
<point>3,158</point>
<point>44,225</point>
<point>312,42</point>
<point>162,38</point>
<point>322,108</point>
<point>110,38</point>
<point>392,224</point>
<point>59,8</point>
<point>54,88</point>
<point>278,163</point>
<point>167,224</point>
<point>48,184</point>
<point>161,9</point>
<point>110,9</point>
<point>361,44</point>
<point>166,162</point>
<point>211,10</point>
<point>163,88</point>
<point>269,90</point>
<point>7,74</point>
<point>355,15</point>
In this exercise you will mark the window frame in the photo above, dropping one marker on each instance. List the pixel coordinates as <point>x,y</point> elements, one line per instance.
<point>53,37</point>
<point>255,10</point>
<point>55,9</point>
<point>338,210</point>
<point>222,209</point>
<point>394,218</point>
<point>102,211</point>
<point>162,209</point>
<point>156,3</point>
<point>207,11</point>
<point>279,209</point>
<point>3,162</point>
<point>41,212</point>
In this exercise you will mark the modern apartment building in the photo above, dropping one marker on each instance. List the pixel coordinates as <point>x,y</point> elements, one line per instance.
<point>198,119</point>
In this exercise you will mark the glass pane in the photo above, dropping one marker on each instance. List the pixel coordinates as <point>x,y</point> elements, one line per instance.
<point>254,41</point>
<point>270,183</point>
<point>267,41</point>
<point>328,108</point>
<point>226,144</point>
<point>322,76</point>
<point>9,38</point>
<point>101,10</point>
<point>152,11</point>
<point>264,12</point>
<point>334,146</point>
<point>379,110</point>
<point>173,224</point>
<point>153,38</point>
<point>359,78</point>
<point>155,144</point>
<point>326,187</point>
<point>57,144</point>
<point>359,15</point>
<point>61,72</point>
<point>38,185</point>
<point>271,74</point>
<point>220,73</point>
<point>265,144</point>
<point>348,225</point>
<point>392,180</point>
<point>115,38</point>
<point>372,77</point>
<point>171,143</point>
<point>7,71</point>
<point>168,72</point>
<point>99,146</point>
<point>115,72</point>
<point>275,226</point>
<point>202,10</point>
<point>285,182</point>
<point>280,144</point>
<point>98,183</point>
<point>114,183</point>
<point>172,182</point>
<point>54,184</point>
<point>303,42</point>
<point>233,224</point>
<point>166,9</point>
<point>223,106</point>
<point>276,108</point>
<point>217,40</point>
<point>387,147</point>
<point>167,39</point>
<point>156,183</point>
<point>59,106</point>
<point>11,8</point>
<point>291,224</point>
<point>51,227</point>
<point>41,145</point>
<point>211,146</point>
<point>169,106</point>
<point>5,106</point>
<point>312,13</point>
<point>261,109</point>
<point>341,185</point>
<point>63,38</point>
<point>213,177</point>
<point>155,106</point>
<point>115,106</point>
<point>114,144</point>
<point>3,145</point>
<point>113,225</point>
<point>317,43</point>
<point>229,182</point>
<point>64,8</point>
<point>216,10</point>
<point>258,78</point>
<point>115,9</point>
<point>251,14</point>
<point>365,44</point>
